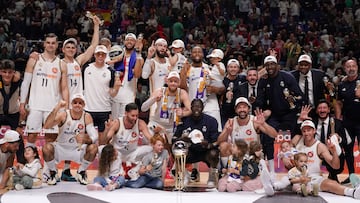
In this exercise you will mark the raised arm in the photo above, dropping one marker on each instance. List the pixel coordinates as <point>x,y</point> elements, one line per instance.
<point>63,82</point>
<point>55,117</point>
<point>86,56</point>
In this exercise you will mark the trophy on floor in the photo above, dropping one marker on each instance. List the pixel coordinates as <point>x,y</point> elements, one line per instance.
<point>179,149</point>
<point>91,16</point>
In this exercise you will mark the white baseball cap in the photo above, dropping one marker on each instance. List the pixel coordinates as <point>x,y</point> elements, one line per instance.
<point>178,43</point>
<point>101,48</point>
<point>10,136</point>
<point>72,40</point>
<point>270,59</point>
<point>216,53</point>
<point>305,58</point>
<point>78,96</point>
<point>173,74</point>
<point>233,61</point>
<point>242,100</point>
<point>130,35</point>
<point>161,41</point>
<point>307,123</point>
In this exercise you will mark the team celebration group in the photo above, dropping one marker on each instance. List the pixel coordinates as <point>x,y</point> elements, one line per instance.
<point>86,106</point>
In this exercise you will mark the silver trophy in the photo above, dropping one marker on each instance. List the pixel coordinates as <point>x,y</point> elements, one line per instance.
<point>290,98</point>
<point>326,82</point>
<point>230,89</point>
<point>91,16</point>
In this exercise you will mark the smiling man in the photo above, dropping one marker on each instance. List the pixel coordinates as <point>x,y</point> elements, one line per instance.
<point>75,141</point>
<point>168,105</point>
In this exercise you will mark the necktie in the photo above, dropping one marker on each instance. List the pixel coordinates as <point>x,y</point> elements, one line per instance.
<point>322,135</point>
<point>253,91</point>
<point>306,89</point>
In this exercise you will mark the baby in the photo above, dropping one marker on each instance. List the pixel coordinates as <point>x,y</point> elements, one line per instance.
<point>217,68</point>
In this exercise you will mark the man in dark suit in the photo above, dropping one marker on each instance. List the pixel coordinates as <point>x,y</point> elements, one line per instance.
<point>250,90</point>
<point>232,82</point>
<point>310,81</point>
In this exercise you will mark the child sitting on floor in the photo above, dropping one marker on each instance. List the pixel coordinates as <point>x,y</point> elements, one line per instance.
<point>28,176</point>
<point>110,174</point>
<point>231,182</point>
<point>153,169</point>
<point>299,178</point>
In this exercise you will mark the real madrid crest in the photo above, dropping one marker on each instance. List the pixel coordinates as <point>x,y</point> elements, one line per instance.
<point>204,129</point>
<point>282,84</point>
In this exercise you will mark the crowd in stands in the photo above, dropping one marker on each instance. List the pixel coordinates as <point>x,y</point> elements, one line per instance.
<point>239,39</point>
<point>243,29</point>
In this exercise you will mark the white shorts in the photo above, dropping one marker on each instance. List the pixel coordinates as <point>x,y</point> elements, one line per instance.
<point>68,153</point>
<point>35,120</point>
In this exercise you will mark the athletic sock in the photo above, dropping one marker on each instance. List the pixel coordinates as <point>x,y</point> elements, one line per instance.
<point>51,165</point>
<point>349,191</point>
<point>84,165</point>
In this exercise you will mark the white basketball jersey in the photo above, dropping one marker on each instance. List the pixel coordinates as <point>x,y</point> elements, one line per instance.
<point>70,129</point>
<point>314,161</point>
<point>127,91</point>
<point>193,80</point>
<point>74,78</point>
<point>157,79</point>
<point>166,121</point>
<point>179,63</point>
<point>126,140</point>
<point>96,88</point>
<point>45,85</point>
<point>247,132</point>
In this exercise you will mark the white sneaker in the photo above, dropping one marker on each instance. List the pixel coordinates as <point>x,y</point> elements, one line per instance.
<point>357,192</point>
<point>19,187</point>
<point>265,178</point>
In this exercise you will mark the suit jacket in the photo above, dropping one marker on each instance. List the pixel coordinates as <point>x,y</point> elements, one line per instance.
<point>339,129</point>
<point>317,81</point>
<point>244,92</point>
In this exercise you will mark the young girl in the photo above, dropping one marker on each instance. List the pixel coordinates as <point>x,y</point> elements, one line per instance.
<point>153,169</point>
<point>110,175</point>
<point>298,176</point>
<point>28,176</point>
<point>231,182</point>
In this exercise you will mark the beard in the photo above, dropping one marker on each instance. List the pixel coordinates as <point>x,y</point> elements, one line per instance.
<point>242,114</point>
<point>161,55</point>
<point>197,60</point>
<point>129,48</point>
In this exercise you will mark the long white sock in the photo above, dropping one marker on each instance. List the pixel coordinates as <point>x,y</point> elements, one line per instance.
<point>282,184</point>
<point>84,165</point>
<point>271,166</point>
<point>51,165</point>
<point>349,191</point>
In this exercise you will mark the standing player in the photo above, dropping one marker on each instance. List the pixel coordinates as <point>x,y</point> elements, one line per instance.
<point>130,68</point>
<point>47,82</point>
